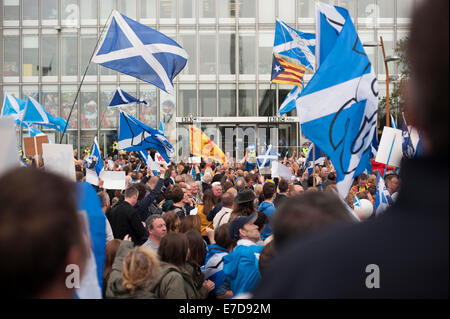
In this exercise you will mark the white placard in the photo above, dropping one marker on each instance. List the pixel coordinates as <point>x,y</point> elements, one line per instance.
<point>58,158</point>
<point>153,165</point>
<point>91,177</point>
<point>385,147</point>
<point>193,211</point>
<point>113,179</point>
<point>9,155</point>
<point>110,165</point>
<point>280,170</point>
<point>195,160</point>
<point>159,159</point>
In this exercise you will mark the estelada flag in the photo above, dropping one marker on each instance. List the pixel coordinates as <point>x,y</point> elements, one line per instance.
<point>201,145</point>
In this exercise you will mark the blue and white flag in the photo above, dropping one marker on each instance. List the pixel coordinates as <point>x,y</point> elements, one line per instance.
<point>269,155</point>
<point>290,101</point>
<point>34,132</point>
<point>136,136</point>
<point>161,127</point>
<point>13,107</point>
<point>338,108</point>
<point>318,159</point>
<point>36,114</point>
<point>143,154</point>
<point>98,157</point>
<point>393,124</point>
<point>132,48</point>
<point>294,44</point>
<point>122,98</point>
<point>383,199</point>
<point>356,203</point>
<point>407,145</point>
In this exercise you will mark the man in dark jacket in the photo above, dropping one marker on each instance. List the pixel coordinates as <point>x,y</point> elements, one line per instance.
<point>402,253</point>
<point>125,219</point>
<point>155,189</point>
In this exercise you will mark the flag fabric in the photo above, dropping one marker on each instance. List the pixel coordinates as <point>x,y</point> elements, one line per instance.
<point>338,108</point>
<point>269,155</point>
<point>36,114</point>
<point>318,159</point>
<point>407,145</point>
<point>34,132</point>
<point>356,203</point>
<point>161,127</point>
<point>203,146</point>
<point>136,136</point>
<point>383,199</point>
<point>419,146</point>
<point>295,44</point>
<point>96,152</point>
<point>13,107</point>
<point>287,73</point>
<point>290,101</point>
<point>143,154</point>
<point>122,98</point>
<point>132,48</point>
<point>393,124</point>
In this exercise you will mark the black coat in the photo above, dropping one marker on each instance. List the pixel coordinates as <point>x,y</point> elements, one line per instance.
<point>408,243</point>
<point>125,219</point>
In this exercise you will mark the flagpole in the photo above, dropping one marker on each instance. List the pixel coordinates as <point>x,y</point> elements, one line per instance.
<point>82,80</point>
<point>314,165</point>
<point>315,69</point>
<point>389,157</point>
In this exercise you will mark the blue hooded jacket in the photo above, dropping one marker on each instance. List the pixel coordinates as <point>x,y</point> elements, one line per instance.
<point>268,209</point>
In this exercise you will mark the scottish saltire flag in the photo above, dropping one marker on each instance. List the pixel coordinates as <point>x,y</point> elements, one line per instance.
<point>419,146</point>
<point>122,98</point>
<point>393,124</point>
<point>356,203</point>
<point>318,159</point>
<point>94,229</point>
<point>269,155</point>
<point>136,136</point>
<point>34,132</point>
<point>294,44</point>
<point>338,108</point>
<point>407,145</point>
<point>383,199</point>
<point>290,101</point>
<point>143,154</point>
<point>96,152</point>
<point>13,107</point>
<point>132,48</point>
<point>161,127</point>
<point>36,114</point>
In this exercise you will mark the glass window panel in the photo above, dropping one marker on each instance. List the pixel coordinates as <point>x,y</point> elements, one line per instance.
<point>88,11</point>
<point>11,12</point>
<point>367,13</point>
<point>306,11</point>
<point>30,47</point>
<point>108,115</point>
<point>207,9</point>
<point>350,5</point>
<point>286,10</point>
<point>265,48</point>
<point>49,10</point>
<point>69,12</point>
<point>30,90</point>
<point>87,140</point>
<point>50,99</point>
<point>30,9</point>
<point>168,116</point>
<point>207,100</point>
<point>188,8</point>
<point>266,100</point>
<point>49,51</point>
<point>148,11</point>
<point>11,54</point>
<point>106,6</point>
<point>69,65</point>
<point>148,112</point>
<point>247,100</point>
<point>188,40</point>
<point>227,52</point>
<point>167,9</point>
<point>227,100</point>
<point>187,102</point>
<point>227,9</point>
<point>68,93</point>
<point>131,89</point>
<point>247,53</point>
<point>388,40</point>
<point>88,42</point>
<point>266,10</point>
<point>88,101</point>
<point>128,8</point>
<point>386,11</point>
<point>404,10</point>
<point>207,52</point>
<point>247,8</point>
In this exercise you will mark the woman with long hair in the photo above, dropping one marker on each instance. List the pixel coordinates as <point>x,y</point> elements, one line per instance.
<point>110,254</point>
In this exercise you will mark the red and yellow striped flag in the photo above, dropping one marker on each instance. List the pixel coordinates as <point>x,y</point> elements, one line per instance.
<point>201,145</point>
<point>292,73</point>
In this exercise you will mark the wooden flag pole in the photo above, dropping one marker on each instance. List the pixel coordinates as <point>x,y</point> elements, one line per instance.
<point>35,146</point>
<point>314,165</point>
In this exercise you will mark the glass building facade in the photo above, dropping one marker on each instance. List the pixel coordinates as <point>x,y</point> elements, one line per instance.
<point>46,46</point>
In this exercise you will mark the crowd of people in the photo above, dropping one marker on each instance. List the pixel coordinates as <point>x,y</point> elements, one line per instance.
<point>218,231</point>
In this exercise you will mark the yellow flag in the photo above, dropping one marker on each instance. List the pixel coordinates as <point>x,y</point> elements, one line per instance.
<point>201,145</point>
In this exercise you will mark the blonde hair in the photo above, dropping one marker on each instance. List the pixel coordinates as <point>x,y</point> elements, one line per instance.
<point>258,189</point>
<point>140,266</point>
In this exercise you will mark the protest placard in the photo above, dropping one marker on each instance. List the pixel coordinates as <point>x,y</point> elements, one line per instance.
<point>33,145</point>
<point>9,156</point>
<point>91,177</point>
<point>113,179</point>
<point>58,158</point>
<point>389,136</point>
<point>280,170</point>
<point>196,159</point>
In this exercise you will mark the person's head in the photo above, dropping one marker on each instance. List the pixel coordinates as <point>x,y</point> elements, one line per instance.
<point>104,201</point>
<point>243,227</point>
<point>283,186</point>
<point>362,180</point>
<point>79,175</point>
<point>173,249</point>
<point>156,227</point>
<point>194,190</point>
<point>232,191</point>
<point>152,182</point>
<point>222,236</point>
<point>131,195</point>
<point>172,221</point>
<point>427,92</point>
<point>295,190</point>
<point>227,200</point>
<point>266,256</point>
<point>112,247</point>
<point>197,249</point>
<point>141,189</point>
<point>176,194</point>
<point>240,184</point>
<point>269,191</point>
<point>324,171</point>
<point>139,268</point>
<point>40,234</point>
<point>261,221</point>
<point>305,214</point>
<point>207,178</point>
<point>392,183</point>
<point>191,222</point>
<point>217,189</point>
